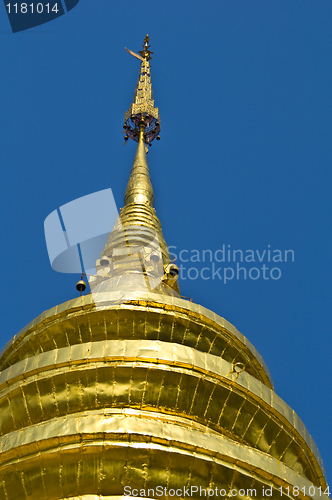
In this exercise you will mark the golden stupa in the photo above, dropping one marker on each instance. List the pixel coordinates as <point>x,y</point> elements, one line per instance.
<point>133,391</point>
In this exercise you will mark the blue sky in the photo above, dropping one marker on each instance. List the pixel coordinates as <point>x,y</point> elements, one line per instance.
<point>244,92</point>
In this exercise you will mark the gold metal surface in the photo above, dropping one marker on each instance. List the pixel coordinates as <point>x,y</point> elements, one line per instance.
<point>135,315</point>
<point>136,374</point>
<point>163,361</point>
<point>120,357</point>
<point>132,451</point>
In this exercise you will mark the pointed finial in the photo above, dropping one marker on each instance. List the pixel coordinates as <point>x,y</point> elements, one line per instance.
<point>145,53</point>
<point>142,109</point>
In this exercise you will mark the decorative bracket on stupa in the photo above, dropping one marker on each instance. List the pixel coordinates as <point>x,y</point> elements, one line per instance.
<point>142,110</point>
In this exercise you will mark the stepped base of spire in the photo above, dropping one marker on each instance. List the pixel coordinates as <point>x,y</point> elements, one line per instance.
<point>135,256</point>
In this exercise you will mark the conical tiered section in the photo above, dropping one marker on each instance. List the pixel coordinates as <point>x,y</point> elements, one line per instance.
<point>144,394</point>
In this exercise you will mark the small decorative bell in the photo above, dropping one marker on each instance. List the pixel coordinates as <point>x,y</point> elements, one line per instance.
<point>104,261</point>
<point>80,286</point>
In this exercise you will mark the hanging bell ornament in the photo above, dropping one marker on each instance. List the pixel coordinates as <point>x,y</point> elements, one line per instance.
<point>80,286</point>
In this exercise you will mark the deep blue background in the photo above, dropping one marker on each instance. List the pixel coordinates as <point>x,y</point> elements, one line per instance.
<point>70,4</point>
<point>244,91</point>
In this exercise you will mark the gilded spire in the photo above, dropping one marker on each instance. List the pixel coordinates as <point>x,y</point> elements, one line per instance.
<point>142,109</point>
<point>136,256</point>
